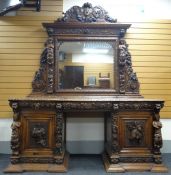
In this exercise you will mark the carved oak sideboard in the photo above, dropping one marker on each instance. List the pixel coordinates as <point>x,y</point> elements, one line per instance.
<point>132,123</point>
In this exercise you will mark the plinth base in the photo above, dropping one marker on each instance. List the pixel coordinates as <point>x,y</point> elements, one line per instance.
<point>53,168</point>
<point>123,167</point>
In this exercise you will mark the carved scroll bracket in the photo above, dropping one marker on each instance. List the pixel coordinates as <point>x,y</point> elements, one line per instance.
<point>45,82</point>
<point>128,81</point>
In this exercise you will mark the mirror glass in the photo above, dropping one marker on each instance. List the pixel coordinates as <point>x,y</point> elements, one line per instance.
<point>86,65</point>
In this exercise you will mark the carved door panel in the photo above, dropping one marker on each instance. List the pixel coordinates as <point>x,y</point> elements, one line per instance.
<point>135,132</point>
<point>38,133</point>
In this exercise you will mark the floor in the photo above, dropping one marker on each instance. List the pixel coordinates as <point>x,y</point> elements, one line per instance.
<point>86,165</point>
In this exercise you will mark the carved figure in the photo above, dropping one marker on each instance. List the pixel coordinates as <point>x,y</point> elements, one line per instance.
<point>136,132</point>
<point>39,135</point>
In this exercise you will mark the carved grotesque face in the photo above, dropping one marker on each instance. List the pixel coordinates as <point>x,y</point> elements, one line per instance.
<point>87,11</point>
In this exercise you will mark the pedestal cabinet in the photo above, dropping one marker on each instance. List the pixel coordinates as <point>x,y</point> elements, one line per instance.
<point>89,38</point>
<point>132,133</point>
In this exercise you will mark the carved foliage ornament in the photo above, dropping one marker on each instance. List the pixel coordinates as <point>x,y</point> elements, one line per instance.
<point>128,81</point>
<point>15,141</point>
<point>135,133</point>
<point>39,135</point>
<point>46,64</point>
<point>87,13</point>
<point>59,133</point>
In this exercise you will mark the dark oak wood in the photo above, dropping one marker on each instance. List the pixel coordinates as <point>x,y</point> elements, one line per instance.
<point>132,123</point>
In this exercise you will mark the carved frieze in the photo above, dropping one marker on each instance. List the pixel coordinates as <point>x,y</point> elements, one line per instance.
<point>128,81</point>
<point>38,104</point>
<point>135,105</point>
<point>86,13</point>
<point>87,105</point>
<point>86,31</point>
<point>36,160</point>
<point>136,159</point>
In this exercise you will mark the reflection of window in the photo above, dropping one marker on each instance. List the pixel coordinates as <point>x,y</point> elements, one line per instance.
<point>96,47</point>
<point>91,81</point>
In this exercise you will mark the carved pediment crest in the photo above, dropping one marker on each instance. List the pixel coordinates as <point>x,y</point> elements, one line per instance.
<point>87,13</point>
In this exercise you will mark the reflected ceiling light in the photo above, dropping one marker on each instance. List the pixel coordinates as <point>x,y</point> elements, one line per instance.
<point>97,51</point>
<point>96,47</point>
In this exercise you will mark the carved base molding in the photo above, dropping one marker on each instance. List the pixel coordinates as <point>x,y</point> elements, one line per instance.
<point>123,167</point>
<point>51,168</point>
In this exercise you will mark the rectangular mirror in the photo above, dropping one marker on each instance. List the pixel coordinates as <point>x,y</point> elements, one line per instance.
<point>86,65</point>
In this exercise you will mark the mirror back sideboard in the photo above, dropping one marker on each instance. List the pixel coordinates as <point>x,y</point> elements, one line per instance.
<point>132,123</point>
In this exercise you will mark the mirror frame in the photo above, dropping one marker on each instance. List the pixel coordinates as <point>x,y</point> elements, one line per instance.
<point>86,23</point>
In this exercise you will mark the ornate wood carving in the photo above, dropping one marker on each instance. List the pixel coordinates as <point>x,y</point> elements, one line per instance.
<point>134,133</point>
<point>39,82</point>
<point>136,159</point>
<point>59,142</point>
<point>44,82</point>
<point>128,81</point>
<point>39,135</point>
<point>40,116</point>
<point>37,160</point>
<point>86,13</point>
<point>50,65</point>
<point>86,31</point>
<point>157,125</point>
<point>15,136</point>
<point>115,140</point>
<point>87,106</point>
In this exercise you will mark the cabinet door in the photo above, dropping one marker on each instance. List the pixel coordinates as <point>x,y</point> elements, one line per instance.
<point>38,133</point>
<point>135,132</point>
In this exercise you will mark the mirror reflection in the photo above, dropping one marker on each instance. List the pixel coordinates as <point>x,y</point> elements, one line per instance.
<point>86,65</point>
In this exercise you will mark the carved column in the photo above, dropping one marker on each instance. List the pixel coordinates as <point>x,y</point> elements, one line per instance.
<point>157,140</point>
<point>15,136</point>
<point>50,65</point>
<point>57,46</point>
<point>59,150</point>
<point>115,141</point>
